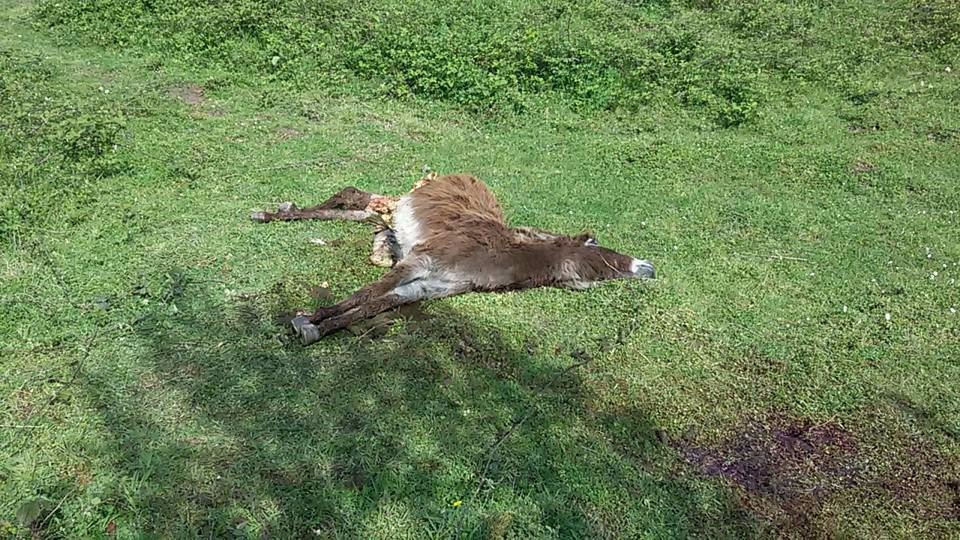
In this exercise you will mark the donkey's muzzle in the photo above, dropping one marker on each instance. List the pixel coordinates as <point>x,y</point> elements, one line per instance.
<point>643,269</point>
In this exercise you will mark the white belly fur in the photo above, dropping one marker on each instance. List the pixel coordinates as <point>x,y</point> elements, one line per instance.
<point>405,226</point>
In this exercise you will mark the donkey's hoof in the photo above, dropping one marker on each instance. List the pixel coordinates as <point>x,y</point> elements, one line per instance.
<point>298,323</point>
<point>309,333</point>
<point>286,207</point>
<point>259,217</point>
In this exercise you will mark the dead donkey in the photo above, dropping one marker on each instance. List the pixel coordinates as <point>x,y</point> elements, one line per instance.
<point>448,236</point>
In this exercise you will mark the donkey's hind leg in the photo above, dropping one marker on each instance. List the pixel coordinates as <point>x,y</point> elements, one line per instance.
<point>310,333</point>
<point>348,204</point>
<point>407,271</point>
<point>386,251</point>
<point>414,283</point>
<point>424,287</point>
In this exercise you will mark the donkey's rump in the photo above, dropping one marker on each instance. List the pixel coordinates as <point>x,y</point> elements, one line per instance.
<point>446,204</point>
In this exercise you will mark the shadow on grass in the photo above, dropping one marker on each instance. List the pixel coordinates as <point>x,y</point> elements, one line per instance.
<point>231,428</point>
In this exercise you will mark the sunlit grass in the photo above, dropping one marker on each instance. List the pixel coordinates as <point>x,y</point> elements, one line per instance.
<point>809,264</point>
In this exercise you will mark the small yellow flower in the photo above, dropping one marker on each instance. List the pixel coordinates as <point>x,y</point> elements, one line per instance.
<point>457,503</point>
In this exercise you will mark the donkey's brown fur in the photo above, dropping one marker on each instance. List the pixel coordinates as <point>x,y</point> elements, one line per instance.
<point>452,238</point>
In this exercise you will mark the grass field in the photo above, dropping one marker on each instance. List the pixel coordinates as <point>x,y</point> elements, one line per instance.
<point>793,169</point>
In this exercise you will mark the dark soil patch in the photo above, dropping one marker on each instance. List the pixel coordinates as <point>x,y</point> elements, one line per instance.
<point>350,475</point>
<point>920,479</point>
<point>191,94</point>
<point>321,293</point>
<point>943,135</point>
<point>786,469</point>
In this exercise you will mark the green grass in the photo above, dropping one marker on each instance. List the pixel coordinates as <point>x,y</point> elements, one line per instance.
<point>793,169</point>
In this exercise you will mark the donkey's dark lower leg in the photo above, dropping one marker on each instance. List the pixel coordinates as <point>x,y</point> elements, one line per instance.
<point>309,333</point>
<point>348,204</point>
<point>311,213</point>
<point>368,301</point>
<point>395,277</point>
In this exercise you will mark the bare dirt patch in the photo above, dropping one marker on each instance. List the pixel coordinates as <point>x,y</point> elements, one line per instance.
<point>191,94</point>
<point>287,133</point>
<point>784,467</point>
<point>24,404</point>
<point>862,167</point>
<point>788,471</point>
<point>863,127</point>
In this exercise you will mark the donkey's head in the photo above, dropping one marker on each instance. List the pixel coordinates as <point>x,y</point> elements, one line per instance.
<point>620,265</point>
<point>580,262</point>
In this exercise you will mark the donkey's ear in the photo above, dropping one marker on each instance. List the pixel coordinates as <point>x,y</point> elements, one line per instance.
<point>586,239</point>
